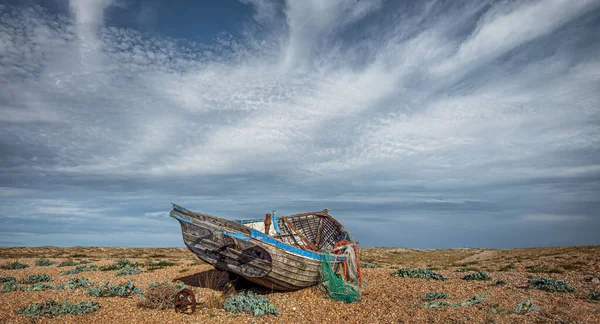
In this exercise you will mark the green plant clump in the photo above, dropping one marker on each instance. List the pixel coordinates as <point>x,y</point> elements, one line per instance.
<point>369,265</point>
<point>67,263</point>
<point>526,306</point>
<point>551,285</point>
<point>11,286</point>
<point>470,301</point>
<point>43,262</point>
<point>419,273</point>
<point>14,266</point>
<point>37,278</point>
<point>161,264</point>
<point>465,303</point>
<point>105,290</point>
<point>52,308</point>
<point>7,279</point>
<point>79,269</point>
<point>250,302</point>
<point>594,296</point>
<point>431,296</point>
<point>75,283</point>
<point>120,264</point>
<point>481,275</point>
<point>499,283</point>
<point>14,286</point>
<point>128,270</point>
<point>37,287</point>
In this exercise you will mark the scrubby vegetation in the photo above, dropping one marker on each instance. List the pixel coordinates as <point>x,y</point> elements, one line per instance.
<point>251,303</point>
<point>481,275</point>
<point>594,296</point>
<point>431,296</point>
<point>120,264</point>
<point>542,269</point>
<point>159,295</point>
<point>526,306</point>
<point>551,285</point>
<point>43,262</point>
<point>37,278</point>
<point>369,265</point>
<point>75,283</point>
<point>7,279</point>
<point>466,264</point>
<point>14,266</point>
<point>465,303</point>
<point>67,263</point>
<point>508,267</point>
<point>14,286</point>
<point>577,265</point>
<point>52,308</point>
<point>419,273</point>
<point>154,265</point>
<point>79,269</point>
<point>499,283</point>
<point>128,270</point>
<point>105,290</point>
<point>11,286</point>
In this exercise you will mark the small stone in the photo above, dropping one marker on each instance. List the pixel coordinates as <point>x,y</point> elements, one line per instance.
<point>294,309</point>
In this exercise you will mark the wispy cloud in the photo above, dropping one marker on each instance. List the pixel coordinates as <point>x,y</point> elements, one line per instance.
<point>449,111</point>
<point>555,218</point>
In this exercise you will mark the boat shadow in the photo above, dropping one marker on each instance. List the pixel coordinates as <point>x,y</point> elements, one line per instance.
<point>221,281</point>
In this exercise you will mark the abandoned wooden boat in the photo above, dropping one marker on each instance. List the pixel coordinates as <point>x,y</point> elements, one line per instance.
<point>285,256</point>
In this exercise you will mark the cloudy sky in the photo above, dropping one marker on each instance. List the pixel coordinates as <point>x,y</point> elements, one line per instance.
<point>424,124</point>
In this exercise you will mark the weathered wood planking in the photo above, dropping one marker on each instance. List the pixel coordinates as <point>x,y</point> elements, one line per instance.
<point>231,246</point>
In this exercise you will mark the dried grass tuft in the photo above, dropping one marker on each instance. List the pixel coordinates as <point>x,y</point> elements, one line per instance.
<point>161,297</point>
<point>221,286</point>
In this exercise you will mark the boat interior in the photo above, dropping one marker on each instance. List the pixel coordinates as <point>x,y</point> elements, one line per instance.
<point>315,231</point>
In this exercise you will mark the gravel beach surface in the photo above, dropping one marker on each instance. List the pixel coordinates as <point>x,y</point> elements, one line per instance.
<point>386,298</point>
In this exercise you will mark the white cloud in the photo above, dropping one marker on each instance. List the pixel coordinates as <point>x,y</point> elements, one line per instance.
<point>501,30</point>
<point>158,214</point>
<point>63,207</point>
<point>554,218</point>
<point>162,109</point>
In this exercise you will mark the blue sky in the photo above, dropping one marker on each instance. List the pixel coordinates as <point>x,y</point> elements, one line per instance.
<point>426,124</point>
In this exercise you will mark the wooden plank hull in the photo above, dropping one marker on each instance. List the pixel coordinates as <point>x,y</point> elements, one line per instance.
<point>229,246</point>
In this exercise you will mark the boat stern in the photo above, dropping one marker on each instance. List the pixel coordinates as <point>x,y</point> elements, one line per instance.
<point>216,241</point>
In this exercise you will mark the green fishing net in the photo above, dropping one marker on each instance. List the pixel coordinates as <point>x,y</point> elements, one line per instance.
<point>337,288</point>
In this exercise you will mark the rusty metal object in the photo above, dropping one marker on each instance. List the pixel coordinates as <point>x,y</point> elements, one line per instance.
<point>185,302</point>
<point>268,223</point>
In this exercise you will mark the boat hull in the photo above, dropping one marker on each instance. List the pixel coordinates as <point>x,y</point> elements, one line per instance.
<point>231,247</point>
